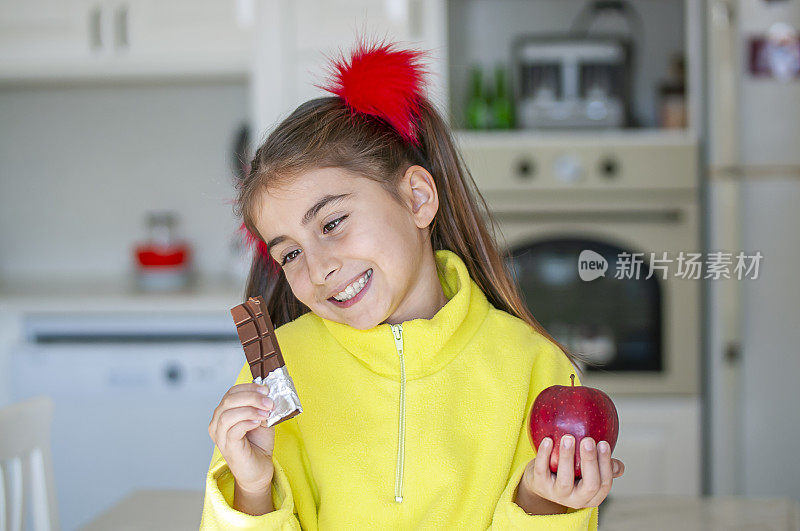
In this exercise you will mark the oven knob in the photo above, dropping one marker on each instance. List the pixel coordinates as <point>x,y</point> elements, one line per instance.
<point>609,168</point>
<point>526,169</point>
<point>568,169</point>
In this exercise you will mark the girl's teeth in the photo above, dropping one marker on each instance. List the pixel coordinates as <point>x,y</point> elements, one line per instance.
<point>350,291</point>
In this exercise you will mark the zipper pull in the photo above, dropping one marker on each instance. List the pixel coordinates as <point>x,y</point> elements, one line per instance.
<point>397,332</point>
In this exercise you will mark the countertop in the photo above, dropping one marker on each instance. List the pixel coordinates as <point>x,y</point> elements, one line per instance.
<point>208,293</point>
<point>177,510</point>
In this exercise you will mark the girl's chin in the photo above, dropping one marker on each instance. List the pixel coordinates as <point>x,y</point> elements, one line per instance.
<point>360,323</point>
<point>364,323</point>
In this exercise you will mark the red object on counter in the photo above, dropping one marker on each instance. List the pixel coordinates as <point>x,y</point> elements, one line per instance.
<point>162,261</point>
<point>155,256</point>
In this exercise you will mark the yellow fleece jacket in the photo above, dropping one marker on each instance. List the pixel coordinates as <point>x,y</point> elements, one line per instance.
<point>420,425</point>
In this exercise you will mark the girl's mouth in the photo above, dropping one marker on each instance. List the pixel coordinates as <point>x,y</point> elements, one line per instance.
<point>358,296</point>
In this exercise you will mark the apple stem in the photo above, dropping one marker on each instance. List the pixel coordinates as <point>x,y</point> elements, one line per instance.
<point>572,378</point>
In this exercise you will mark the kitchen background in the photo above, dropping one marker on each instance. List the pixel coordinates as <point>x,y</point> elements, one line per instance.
<point>649,126</point>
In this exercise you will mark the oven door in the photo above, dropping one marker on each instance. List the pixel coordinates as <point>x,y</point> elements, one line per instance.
<point>638,334</point>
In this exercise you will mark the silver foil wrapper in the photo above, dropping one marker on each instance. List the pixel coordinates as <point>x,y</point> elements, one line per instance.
<point>282,392</point>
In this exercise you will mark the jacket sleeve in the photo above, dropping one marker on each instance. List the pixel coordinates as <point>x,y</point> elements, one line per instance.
<point>550,367</point>
<point>293,489</point>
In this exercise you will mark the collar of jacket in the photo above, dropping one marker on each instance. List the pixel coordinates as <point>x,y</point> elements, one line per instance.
<point>428,344</point>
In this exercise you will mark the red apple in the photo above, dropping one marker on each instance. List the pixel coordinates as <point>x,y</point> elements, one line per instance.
<point>578,411</point>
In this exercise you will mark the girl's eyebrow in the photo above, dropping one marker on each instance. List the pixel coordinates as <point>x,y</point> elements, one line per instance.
<point>312,213</point>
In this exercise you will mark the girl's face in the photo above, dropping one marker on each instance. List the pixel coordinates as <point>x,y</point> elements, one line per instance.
<point>329,229</point>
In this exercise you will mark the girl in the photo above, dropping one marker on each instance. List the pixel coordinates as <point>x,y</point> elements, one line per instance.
<point>413,355</point>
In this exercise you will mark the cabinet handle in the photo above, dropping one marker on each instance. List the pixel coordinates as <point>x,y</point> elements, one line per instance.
<point>122,26</point>
<point>733,353</point>
<point>96,28</point>
<point>415,19</point>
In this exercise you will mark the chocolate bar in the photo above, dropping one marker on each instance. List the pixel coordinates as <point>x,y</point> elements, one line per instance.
<point>257,335</point>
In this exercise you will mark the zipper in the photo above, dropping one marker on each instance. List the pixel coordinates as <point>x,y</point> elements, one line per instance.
<point>397,333</point>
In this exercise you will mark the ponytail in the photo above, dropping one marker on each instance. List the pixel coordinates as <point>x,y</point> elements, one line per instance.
<point>462,223</point>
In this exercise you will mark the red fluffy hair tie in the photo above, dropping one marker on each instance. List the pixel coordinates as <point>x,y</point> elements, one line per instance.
<point>381,82</point>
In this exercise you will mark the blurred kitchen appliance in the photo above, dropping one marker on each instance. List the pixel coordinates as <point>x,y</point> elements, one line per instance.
<point>553,200</point>
<point>572,82</point>
<point>753,79</point>
<point>133,395</point>
<point>163,261</point>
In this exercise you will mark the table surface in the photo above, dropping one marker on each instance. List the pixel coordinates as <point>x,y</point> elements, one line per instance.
<point>152,509</point>
<point>180,509</point>
<point>699,514</point>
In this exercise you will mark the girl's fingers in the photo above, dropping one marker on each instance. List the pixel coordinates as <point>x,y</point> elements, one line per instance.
<point>231,417</point>
<point>565,477</point>
<point>235,437</point>
<point>249,387</point>
<point>606,474</point>
<point>243,397</point>
<point>541,465</point>
<point>617,467</point>
<point>589,484</point>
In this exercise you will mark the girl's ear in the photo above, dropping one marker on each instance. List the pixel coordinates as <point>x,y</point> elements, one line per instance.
<point>421,194</point>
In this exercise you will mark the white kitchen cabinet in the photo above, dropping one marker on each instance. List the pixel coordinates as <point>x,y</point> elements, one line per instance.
<point>187,28</point>
<point>50,40</point>
<point>37,29</point>
<point>659,442</point>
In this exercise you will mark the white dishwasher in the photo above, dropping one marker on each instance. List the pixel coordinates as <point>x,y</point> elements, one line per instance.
<point>133,393</point>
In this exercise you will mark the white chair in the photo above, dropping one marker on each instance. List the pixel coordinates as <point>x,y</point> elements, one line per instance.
<point>26,465</point>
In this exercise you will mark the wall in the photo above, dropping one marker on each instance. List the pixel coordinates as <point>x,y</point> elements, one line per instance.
<point>80,166</point>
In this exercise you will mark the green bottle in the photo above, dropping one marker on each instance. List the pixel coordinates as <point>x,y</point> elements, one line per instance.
<point>502,108</point>
<point>478,111</point>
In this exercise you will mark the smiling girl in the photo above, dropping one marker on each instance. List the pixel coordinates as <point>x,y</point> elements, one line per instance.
<point>414,357</point>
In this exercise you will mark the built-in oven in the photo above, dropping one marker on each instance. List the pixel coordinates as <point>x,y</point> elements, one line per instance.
<point>599,237</point>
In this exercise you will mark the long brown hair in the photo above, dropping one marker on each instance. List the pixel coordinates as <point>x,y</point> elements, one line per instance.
<point>323,133</point>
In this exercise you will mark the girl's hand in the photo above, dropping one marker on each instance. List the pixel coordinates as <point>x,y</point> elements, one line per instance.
<point>597,470</point>
<point>245,444</point>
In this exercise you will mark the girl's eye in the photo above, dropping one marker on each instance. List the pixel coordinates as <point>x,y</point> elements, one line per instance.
<point>284,261</point>
<point>333,224</point>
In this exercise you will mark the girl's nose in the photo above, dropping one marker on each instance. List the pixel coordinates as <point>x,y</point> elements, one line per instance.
<point>321,266</point>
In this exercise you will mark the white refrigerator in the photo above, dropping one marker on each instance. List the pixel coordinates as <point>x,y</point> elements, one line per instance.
<point>753,167</point>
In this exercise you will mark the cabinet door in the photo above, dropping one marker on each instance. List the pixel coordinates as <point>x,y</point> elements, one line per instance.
<point>659,442</point>
<point>183,32</point>
<point>32,31</point>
